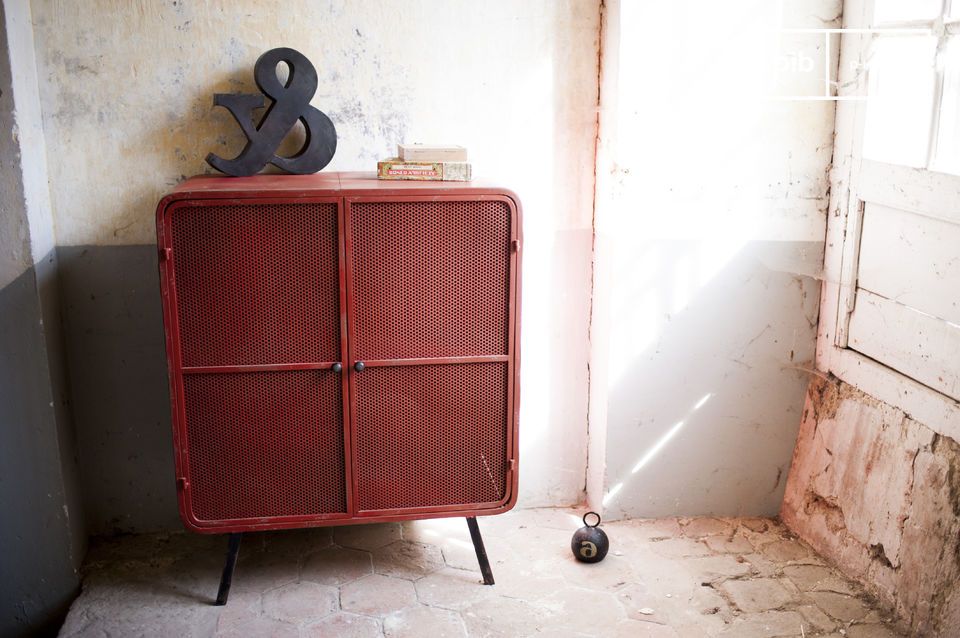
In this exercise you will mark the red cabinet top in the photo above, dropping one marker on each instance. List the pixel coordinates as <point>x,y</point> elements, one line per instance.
<point>321,184</point>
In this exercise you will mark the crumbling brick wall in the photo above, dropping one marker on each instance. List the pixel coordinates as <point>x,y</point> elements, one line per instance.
<point>878,493</point>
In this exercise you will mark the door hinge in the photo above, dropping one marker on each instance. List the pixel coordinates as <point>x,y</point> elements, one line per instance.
<point>165,254</point>
<point>182,483</point>
<point>514,245</point>
<point>512,464</point>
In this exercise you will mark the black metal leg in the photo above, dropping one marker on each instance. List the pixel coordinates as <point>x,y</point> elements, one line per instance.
<point>233,549</point>
<point>481,551</point>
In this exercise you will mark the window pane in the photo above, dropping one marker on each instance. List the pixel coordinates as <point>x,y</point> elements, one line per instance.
<point>898,10</point>
<point>947,159</point>
<point>901,79</point>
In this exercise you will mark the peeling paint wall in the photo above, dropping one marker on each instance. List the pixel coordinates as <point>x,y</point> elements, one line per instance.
<point>712,199</point>
<point>873,486</point>
<point>878,493</point>
<point>126,90</point>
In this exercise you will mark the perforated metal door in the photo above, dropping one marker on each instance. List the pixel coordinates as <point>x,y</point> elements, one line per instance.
<point>431,435</point>
<point>264,444</point>
<point>430,289</point>
<point>257,283</point>
<point>256,292</point>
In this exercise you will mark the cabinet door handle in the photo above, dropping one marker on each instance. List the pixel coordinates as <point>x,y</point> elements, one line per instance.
<point>337,367</point>
<point>358,366</point>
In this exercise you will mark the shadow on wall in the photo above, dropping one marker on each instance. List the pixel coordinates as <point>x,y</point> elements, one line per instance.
<point>118,376</point>
<point>707,378</point>
<point>38,562</point>
<point>115,345</point>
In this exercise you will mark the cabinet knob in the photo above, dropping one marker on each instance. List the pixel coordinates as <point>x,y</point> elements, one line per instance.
<point>337,367</point>
<point>358,366</point>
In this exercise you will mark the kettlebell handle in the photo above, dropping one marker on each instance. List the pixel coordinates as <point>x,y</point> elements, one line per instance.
<point>588,524</point>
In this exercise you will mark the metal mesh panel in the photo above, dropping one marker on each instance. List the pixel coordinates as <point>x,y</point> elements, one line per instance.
<point>265,444</point>
<point>431,435</point>
<point>431,278</point>
<point>257,283</point>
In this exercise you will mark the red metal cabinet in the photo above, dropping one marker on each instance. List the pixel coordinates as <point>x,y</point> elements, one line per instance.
<point>341,349</point>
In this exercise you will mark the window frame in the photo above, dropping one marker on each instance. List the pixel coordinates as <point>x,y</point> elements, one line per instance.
<point>852,179</point>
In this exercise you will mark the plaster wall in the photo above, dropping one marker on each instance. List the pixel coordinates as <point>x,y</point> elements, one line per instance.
<point>15,255</point>
<point>125,89</point>
<point>29,128</point>
<point>712,199</point>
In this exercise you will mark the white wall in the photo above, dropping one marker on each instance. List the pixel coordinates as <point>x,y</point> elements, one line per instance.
<point>710,226</point>
<point>126,91</point>
<point>709,216</point>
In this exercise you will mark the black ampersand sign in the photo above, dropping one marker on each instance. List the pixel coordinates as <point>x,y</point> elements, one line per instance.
<point>290,102</point>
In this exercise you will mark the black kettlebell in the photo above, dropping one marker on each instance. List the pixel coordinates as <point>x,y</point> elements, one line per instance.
<point>590,543</point>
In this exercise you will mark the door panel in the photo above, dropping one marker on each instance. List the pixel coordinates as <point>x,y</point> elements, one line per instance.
<point>430,289</point>
<point>265,444</point>
<point>257,283</point>
<point>431,435</point>
<point>430,278</point>
<point>255,294</point>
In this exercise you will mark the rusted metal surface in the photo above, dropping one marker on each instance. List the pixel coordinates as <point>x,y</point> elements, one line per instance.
<point>340,353</point>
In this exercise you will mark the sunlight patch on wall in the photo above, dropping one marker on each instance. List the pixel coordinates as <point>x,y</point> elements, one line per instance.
<point>656,448</point>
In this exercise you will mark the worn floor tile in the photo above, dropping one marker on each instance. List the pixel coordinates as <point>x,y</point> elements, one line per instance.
<point>840,606</point>
<point>259,626</point>
<point>667,578</point>
<point>785,551</point>
<point>817,578</point>
<point>300,602</point>
<point>452,588</point>
<point>870,631</point>
<point>368,537</point>
<point>583,611</point>
<point>757,594</point>
<point>343,625</point>
<point>700,527</point>
<point>608,575</point>
<point>526,582</point>
<point>406,559</point>
<point>713,568</point>
<point>499,617</point>
<point>377,595</point>
<point>729,544</point>
<point>336,566</point>
<point>418,622</point>
<point>680,547</point>
<point>766,623</point>
<point>263,571</point>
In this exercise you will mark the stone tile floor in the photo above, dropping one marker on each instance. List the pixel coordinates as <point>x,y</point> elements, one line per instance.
<point>663,578</point>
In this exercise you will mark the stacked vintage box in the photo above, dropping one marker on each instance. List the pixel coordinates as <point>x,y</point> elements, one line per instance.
<point>425,162</point>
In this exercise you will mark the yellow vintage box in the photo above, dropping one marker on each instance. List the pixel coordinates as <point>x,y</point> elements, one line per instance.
<point>396,168</point>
